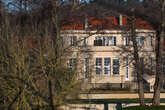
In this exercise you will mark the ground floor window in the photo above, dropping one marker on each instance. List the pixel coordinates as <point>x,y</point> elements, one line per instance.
<point>163,65</point>
<point>86,67</point>
<point>127,69</point>
<point>107,66</point>
<point>103,66</point>
<point>98,66</point>
<point>116,66</point>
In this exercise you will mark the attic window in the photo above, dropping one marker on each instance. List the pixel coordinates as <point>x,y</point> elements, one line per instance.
<point>118,20</point>
<point>144,24</point>
<point>89,24</point>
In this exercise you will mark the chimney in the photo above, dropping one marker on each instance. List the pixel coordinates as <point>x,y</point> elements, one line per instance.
<point>120,19</point>
<point>86,22</point>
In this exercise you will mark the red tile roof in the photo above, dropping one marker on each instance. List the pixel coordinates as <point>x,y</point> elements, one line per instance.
<point>78,23</point>
<point>142,24</point>
<point>105,23</point>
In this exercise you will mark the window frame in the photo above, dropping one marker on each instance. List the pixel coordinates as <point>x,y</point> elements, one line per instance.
<point>98,66</point>
<point>86,67</point>
<point>115,65</point>
<point>127,41</point>
<point>107,67</point>
<point>105,41</point>
<point>73,40</point>
<point>83,41</point>
<point>163,65</point>
<point>127,68</point>
<point>140,40</point>
<point>72,63</point>
<point>113,41</point>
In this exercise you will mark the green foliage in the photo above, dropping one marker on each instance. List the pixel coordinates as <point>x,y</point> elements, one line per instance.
<point>24,77</point>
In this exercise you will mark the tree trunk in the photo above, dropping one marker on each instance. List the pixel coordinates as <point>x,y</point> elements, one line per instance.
<point>156,96</point>
<point>51,95</point>
<point>137,62</point>
<point>159,54</point>
<point>141,91</point>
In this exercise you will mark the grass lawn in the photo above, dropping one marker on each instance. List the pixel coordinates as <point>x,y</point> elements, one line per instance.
<point>144,108</point>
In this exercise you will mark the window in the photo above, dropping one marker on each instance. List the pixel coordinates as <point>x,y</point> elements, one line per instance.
<point>163,65</point>
<point>107,66</point>
<point>151,64</point>
<point>163,68</point>
<point>73,41</point>
<point>86,67</point>
<point>84,41</point>
<point>152,40</point>
<point>72,63</point>
<point>113,41</point>
<point>126,41</point>
<point>105,41</point>
<point>127,69</point>
<point>140,40</point>
<point>98,66</point>
<point>116,66</point>
<point>98,41</point>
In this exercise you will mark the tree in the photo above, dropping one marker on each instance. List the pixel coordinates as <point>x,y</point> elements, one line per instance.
<point>159,55</point>
<point>37,77</point>
<point>137,61</point>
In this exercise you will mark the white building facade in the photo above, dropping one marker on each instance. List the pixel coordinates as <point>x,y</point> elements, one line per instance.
<point>104,57</point>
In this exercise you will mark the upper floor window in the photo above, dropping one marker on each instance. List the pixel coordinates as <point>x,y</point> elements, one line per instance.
<point>83,41</point>
<point>105,41</point>
<point>98,66</point>
<point>73,41</point>
<point>98,41</point>
<point>126,41</point>
<point>72,63</point>
<point>140,40</point>
<point>112,41</point>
